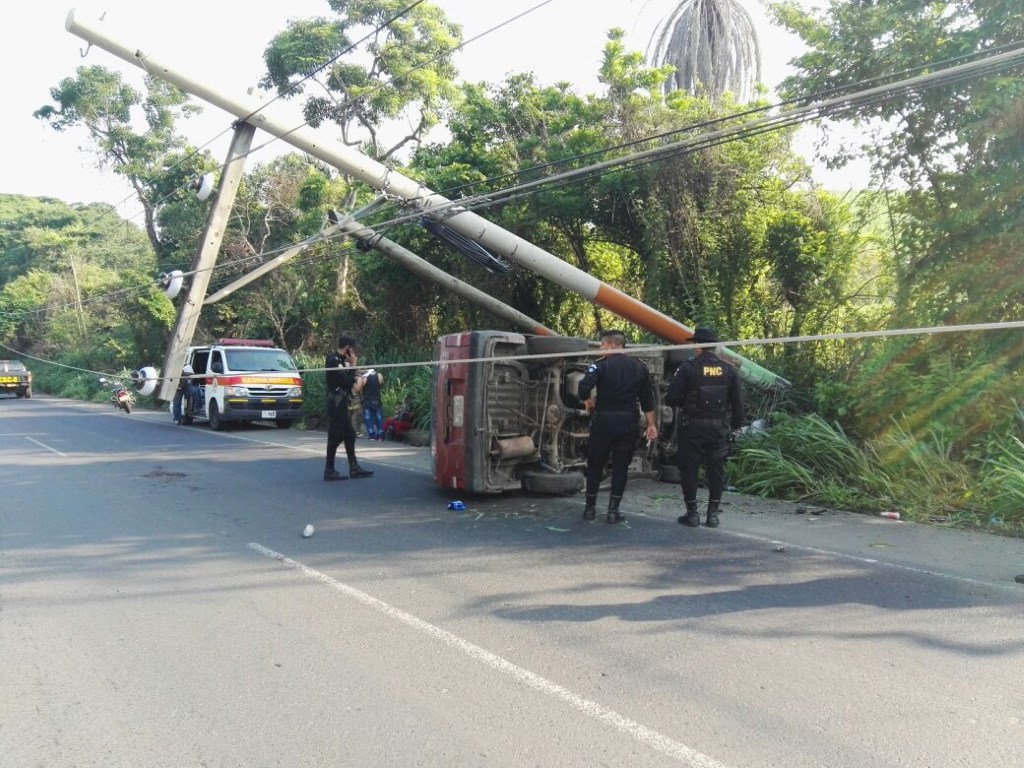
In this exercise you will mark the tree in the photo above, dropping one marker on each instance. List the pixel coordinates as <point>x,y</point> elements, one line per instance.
<point>80,286</point>
<point>713,46</point>
<point>109,109</point>
<point>958,150</point>
<point>370,65</point>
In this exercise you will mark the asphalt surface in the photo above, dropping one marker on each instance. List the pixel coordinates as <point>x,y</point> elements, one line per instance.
<point>159,606</point>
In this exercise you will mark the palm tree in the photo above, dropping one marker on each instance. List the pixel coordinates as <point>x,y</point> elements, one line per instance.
<point>714,47</point>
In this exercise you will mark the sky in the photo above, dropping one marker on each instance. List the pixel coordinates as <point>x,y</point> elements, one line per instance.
<point>222,42</point>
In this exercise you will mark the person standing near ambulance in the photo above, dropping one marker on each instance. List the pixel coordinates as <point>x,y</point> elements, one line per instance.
<point>342,385</point>
<point>373,410</point>
<point>708,393</point>
<point>186,391</point>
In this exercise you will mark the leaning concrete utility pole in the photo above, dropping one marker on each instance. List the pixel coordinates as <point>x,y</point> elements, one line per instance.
<point>404,258</point>
<point>380,177</point>
<point>206,258</point>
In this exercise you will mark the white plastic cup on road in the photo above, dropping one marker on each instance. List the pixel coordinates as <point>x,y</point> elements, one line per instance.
<point>308,531</point>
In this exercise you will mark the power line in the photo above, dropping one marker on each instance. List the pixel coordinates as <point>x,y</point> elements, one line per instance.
<point>837,105</point>
<point>378,87</point>
<point>647,349</point>
<point>816,110</point>
<point>309,75</point>
<point>692,127</point>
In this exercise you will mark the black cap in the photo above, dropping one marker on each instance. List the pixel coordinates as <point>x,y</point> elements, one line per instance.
<point>704,336</point>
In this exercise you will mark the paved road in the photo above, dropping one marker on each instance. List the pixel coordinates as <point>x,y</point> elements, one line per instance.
<point>160,607</point>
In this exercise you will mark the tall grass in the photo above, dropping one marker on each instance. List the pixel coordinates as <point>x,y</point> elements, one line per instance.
<point>800,456</point>
<point>806,458</point>
<point>1001,490</point>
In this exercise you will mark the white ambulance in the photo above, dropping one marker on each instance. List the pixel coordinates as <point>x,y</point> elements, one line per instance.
<point>245,380</point>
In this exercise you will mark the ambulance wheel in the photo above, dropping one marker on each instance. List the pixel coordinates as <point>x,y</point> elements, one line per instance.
<point>216,422</point>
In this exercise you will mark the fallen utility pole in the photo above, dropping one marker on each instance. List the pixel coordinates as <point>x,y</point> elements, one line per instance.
<point>367,237</point>
<point>380,177</point>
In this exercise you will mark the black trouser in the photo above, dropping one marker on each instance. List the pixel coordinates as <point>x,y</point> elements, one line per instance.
<point>611,434</point>
<point>340,430</point>
<point>704,443</point>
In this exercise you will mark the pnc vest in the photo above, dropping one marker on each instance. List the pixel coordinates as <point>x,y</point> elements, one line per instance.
<point>709,399</point>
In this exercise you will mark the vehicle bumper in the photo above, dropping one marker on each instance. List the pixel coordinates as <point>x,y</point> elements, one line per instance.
<point>262,408</point>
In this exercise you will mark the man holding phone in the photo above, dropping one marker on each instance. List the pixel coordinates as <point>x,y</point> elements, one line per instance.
<point>342,385</point>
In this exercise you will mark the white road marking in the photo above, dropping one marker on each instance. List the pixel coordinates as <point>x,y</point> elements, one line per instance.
<point>848,556</point>
<point>874,561</point>
<point>44,445</point>
<point>684,754</point>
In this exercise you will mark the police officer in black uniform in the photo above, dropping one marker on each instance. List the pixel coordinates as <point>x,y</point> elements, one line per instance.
<point>621,380</point>
<point>707,390</point>
<point>342,384</point>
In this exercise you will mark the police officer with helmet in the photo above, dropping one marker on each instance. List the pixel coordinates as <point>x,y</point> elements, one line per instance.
<point>708,393</point>
<point>621,380</point>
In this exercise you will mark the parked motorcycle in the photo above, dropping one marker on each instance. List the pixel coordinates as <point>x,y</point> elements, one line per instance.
<point>120,395</point>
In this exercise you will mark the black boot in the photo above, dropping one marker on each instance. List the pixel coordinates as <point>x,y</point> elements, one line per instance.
<point>614,516</point>
<point>331,474</point>
<point>590,509</point>
<point>354,470</point>
<point>712,519</point>
<point>692,516</point>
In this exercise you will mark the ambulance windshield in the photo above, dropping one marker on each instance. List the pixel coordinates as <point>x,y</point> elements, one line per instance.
<point>259,360</point>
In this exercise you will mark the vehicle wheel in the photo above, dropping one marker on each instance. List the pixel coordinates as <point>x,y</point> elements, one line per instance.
<point>28,393</point>
<point>127,407</point>
<point>550,482</point>
<point>20,394</point>
<point>670,473</point>
<point>186,419</point>
<point>283,423</point>
<point>216,422</point>
<point>674,357</point>
<point>550,345</point>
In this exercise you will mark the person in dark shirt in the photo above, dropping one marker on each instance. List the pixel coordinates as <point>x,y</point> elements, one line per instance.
<point>373,410</point>
<point>621,381</point>
<point>708,393</point>
<point>185,396</point>
<point>342,384</point>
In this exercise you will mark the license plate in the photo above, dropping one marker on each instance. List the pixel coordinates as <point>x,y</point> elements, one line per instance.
<point>269,414</point>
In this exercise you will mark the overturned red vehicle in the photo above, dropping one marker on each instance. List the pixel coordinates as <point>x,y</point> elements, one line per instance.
<point>507,415</point>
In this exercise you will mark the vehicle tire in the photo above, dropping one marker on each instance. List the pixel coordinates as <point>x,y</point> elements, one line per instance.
<point>28,393</point>
<point>186,419</point>
<point>555,483</point>
<point>127,407</point>
<point>19,394</point>
<point>674,357</point>
<point>283,423</point>
<point>669,473</point>
<point>551,345</point>
<point>216,422</point>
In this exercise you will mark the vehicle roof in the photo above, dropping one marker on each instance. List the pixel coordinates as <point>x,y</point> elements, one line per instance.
<point>236,346</point>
